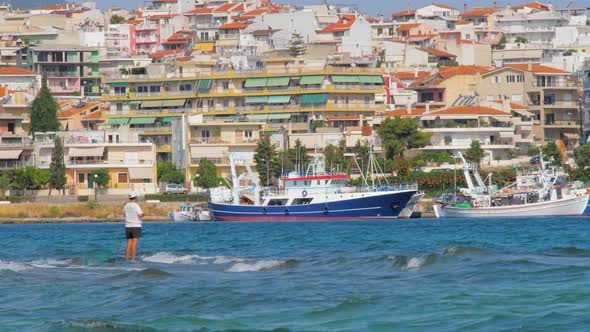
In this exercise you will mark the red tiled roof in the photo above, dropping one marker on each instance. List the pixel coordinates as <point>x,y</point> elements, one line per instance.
<point>480,12</point>
<point>184,58</point>
<point>344,23</point>
<point>76,110</point>
<point>463,110</point>
<point>96,115</point>
<point>409,75</point>
<point>133,22</point>
<point>450,71</point>
<point>512,105</point>
<point>225,7</point>
<point>256,12</point>
<point>233,25</point>
<point>404,13</point>
<point>239,8</point>
<point>435,52</point>
<point>537,68</point>
<point>404,112</point>
<point>534,5</point>
<point>408,26</point>
<point>161,54</point>
<point>199,11</point>
<point>12,70</point>
<point>162,16</point>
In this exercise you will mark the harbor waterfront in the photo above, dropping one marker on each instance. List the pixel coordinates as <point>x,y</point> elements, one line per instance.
<point>410,275</point>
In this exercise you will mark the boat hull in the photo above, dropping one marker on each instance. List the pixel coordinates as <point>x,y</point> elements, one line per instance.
<point>179,217</point>
<point>573,206</point>
<point>385,205</point>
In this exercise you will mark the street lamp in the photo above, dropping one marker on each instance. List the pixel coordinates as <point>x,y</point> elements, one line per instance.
<point>95,188</point>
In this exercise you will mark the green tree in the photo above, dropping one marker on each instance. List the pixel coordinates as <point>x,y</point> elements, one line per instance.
<point>57,167</point>
<point>399,134</point>
<point>334,156</point>
<point>521,40</point>
<point>101,177</point>
<point>42,178</point>
<point>5,185</point>
<point>582,155</point>
<point>26,178</point>
<point>297,157</point>
<point>168,173</point>
<point>116,19</point>
<point>552,154</point>
<point>268,162</point>
<point>475,153</point>
<point>207,174</point>
<point>296,45</point>
<point>502,42</point>
<point>44,111</point>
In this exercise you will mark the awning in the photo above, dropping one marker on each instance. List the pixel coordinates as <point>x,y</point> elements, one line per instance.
<point>86,152</point>
<point>506,134</point>
<point>142,120</point>
<point>257,117</point>
<point>170,118</point>
<point>114,84</point>
<point>283,116</point>
<point>137,173</point>
<point>174,103</point>
<point>317,98</point>
<point>311,80</point>
<point>279,99</point>
<point>371,79</point>
<point>151,103</point>
<point>571,135</point>
<point>524,113</point>
<point>345,79</point>
<point>118,121</point>
<point>278,81</point>
<point>205,84</point>
<point>10,154</point>
<point>428,117</point>
<point>256,100</point>
<point>255,83</point>
<point>135,102</point>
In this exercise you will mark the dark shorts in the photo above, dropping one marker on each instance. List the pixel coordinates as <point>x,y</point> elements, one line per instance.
<point>132,232</point>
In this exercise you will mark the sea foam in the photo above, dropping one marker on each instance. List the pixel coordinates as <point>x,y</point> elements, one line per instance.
<point>171,258</point>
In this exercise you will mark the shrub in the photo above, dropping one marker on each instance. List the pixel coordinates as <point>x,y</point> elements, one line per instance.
<point>23,214</point>
<point>53,212</point>
<point>16,199</point>
<point>70,214</point>
<point>83,198</point>
<point>91,204</point>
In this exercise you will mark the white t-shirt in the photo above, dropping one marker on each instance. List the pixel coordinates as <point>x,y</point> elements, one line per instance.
<point>131,211</point>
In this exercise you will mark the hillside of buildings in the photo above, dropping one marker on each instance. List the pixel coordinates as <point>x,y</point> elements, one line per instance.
<point>174,82</point>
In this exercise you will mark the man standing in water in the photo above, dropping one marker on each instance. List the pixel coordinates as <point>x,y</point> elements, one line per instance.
<point>133,215</point>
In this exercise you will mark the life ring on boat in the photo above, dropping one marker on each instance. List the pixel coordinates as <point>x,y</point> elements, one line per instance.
<point>304,193</point>
<point>177,209</point>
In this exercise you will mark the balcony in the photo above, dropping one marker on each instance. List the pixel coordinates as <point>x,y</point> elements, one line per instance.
<point>562,123</point>
<point>109,163</point>
<point>556,84</point>
<point>218,161</point>
<point>64,89</point>
<point>224,141</point>
<point>50,74</point>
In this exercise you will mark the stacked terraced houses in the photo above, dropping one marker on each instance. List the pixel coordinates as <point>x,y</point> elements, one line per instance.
<point>183,80</point>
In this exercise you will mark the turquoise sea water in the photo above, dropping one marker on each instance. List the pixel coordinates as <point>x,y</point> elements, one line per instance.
<point>405,275</point>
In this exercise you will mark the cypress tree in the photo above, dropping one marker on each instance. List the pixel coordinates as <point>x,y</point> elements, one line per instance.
<point>44,111</point>
<point>57,167</point>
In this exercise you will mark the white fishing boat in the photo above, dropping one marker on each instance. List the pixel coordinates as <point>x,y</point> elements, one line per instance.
<point>540,193</point>
<point>190,212</point>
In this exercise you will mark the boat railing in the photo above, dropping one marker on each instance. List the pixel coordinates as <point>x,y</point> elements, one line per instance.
<point>390,187</point>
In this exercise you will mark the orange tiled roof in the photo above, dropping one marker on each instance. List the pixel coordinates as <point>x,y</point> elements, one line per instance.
<point>465,110</point>
<point>239,8</point>
<point>404,13</point>
<point>162,16</point>
<point>184,58</point>
<point>408,26</point>
<point>404,112</point>
<point>199,11</point>
<point>161,54</point>
<point>534,5</point>
<point>76,110</point>
<point>13,70</point>
<point>233,25</point>
<point>450,71</point>
<point>225,7</point>
<point>538,69</point>
<point>96,115</point>
<point>512,105</point>
<point>436,52</point>
<point>256,12</point>
<point>480,11</point>
<point>344,23</point>
<point>409,75</point>
<point>133,22</point>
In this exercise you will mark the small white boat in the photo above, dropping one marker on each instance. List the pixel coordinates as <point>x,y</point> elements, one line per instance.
<point>540,193</point>
<point>190,212</point>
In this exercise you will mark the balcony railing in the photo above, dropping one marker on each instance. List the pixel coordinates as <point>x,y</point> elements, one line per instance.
<point>62,74</point>
<point>565,123</point>
<point>215,160</point>
<point>556,84</point>
<point>134,162</point>
<point>219,140</point>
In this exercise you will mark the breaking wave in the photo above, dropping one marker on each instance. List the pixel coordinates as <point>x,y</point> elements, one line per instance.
<point>171,258</point>
<point>40,264</point>
<point>263,265</point>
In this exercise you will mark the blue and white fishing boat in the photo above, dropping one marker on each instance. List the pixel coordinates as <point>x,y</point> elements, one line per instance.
<point>315,195</point>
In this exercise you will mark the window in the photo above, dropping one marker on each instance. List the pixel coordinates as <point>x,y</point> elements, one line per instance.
<point>467,36</point>
<point>119,107</point>
<point>367,100</point>
<point>225,85</point>
<point>81,177</point>
<point>142,89</point>
<point>497,79</point>
<point>247,133</point>
<point>520,78</point>
<point>122,178</point>
<point>155,88</point>
<point>120,89</point>
<point>510,79</point>
<point>186,87</point>
<point>205,133</point>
